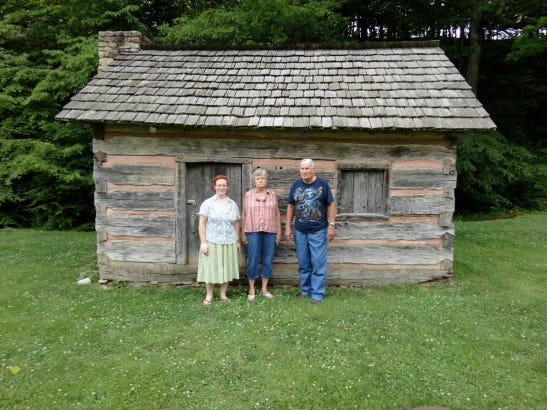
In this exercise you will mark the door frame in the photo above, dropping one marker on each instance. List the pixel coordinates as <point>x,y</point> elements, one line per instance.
<point>181,205</point>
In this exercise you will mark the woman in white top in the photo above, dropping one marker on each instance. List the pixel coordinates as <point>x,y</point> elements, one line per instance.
<point>219,240</point>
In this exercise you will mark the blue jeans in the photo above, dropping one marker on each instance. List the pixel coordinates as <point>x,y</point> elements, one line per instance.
<point>261,245</point>
<point>311,250</point>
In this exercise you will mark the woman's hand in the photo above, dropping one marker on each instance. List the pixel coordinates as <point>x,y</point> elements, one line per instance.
<point>288,233</point>
<point>203,248</point>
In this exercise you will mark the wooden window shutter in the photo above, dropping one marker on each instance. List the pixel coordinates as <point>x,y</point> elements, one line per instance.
<point>363,191</point>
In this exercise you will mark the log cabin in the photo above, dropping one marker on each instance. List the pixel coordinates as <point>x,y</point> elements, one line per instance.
<point>380,120</point>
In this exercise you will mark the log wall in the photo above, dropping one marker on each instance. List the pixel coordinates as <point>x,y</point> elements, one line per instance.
<point>136,200</point>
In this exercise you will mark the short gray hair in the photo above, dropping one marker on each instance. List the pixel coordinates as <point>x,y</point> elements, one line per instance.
<point>259,172</point>
<point>309,160</point>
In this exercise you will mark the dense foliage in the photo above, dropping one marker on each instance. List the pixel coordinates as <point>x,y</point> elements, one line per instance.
<point>48,51</point>
<point>495,173</point>
<point>258,22</point>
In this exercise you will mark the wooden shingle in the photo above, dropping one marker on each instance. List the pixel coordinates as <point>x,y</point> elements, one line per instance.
<point>370,89</point>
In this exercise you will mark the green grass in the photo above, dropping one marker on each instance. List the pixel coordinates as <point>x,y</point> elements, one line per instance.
<point>474,342</point>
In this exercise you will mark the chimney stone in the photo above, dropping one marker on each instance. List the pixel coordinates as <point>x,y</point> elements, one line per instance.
<point>111,43</point>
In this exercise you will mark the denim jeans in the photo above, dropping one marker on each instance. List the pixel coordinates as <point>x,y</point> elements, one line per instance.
<point>311,250</point>
<point>261,245</point>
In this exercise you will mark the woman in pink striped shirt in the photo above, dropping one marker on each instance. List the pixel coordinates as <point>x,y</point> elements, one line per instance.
<point>260,231</point>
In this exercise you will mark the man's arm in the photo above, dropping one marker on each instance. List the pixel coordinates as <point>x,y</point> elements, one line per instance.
<point>331,217</point>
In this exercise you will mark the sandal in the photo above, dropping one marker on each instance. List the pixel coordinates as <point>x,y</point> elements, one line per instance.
<point>267,295</point>
<point>225,299</point>
<point>251,298</point>
<point>206,302</point>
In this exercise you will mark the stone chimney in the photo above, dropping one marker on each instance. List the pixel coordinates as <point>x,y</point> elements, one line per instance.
<point>113,42</point>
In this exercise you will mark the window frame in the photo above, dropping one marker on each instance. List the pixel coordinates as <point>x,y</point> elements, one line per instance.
<point>364,166</point>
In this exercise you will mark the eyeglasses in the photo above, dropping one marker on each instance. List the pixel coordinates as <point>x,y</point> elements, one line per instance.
<point>221,186</point>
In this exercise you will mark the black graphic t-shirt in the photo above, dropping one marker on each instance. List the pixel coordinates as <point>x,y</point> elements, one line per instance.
<point>310,204</point>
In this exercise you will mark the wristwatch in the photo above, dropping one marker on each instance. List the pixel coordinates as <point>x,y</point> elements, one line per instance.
<point>332,224</point>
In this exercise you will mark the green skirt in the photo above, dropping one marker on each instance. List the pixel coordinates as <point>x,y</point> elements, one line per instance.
<point>220,265</point>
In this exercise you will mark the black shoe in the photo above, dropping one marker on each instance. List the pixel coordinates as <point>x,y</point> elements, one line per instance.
<point>301,296</point>
<point>315,301</point>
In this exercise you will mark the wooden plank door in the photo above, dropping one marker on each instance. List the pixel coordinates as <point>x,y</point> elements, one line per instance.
<point>198,179</point>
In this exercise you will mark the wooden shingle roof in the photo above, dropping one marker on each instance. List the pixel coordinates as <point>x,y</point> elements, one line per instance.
<point>406,88</point>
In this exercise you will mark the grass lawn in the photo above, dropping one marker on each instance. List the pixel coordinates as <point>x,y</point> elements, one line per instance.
<point>475,342</point>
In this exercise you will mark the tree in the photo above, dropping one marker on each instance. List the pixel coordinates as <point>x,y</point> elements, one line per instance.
<point>532,43</point>
<point>257,22</point>
<point>48,51</point>
<point>472,75</point>
<point>496,174</point>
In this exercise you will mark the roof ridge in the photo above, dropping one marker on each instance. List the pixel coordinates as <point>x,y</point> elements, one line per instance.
<point>298,46</point>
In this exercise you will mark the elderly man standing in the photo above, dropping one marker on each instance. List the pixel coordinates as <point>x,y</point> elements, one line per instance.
<point>312,205</point>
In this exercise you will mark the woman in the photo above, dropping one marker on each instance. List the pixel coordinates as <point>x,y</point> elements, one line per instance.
<point>261,231</point>
<point>219,240</point>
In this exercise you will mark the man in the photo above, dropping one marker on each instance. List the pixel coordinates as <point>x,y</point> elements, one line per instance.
<point>312,205</point>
